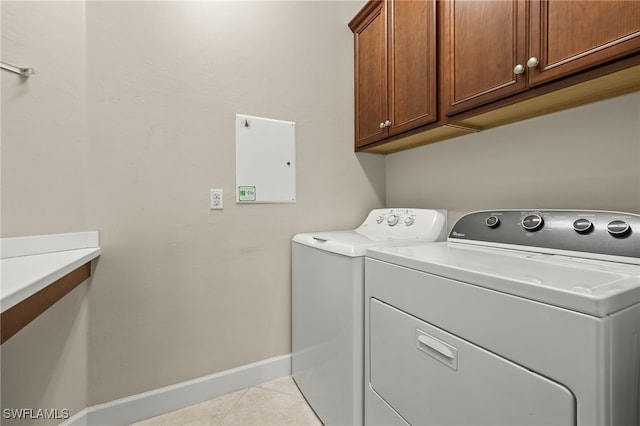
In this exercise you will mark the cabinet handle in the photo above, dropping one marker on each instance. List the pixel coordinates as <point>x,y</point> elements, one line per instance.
<point>387,123</point>
<point>533,62</point>
<point>382,126</point>
<point>518,69</point>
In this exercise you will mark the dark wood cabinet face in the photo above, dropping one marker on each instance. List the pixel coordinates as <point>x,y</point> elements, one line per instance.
<point>412,82</point>
<point>482,43</point>
<point>571,36</point>
<point>371,78</point>
<point>395,69</point>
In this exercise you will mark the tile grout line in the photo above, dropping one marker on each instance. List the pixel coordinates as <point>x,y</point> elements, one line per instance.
<point>276,390</point>
<point>244,392</point>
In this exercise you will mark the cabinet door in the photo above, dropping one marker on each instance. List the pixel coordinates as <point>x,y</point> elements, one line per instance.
<point>412,66</point>
<point>569,36</point>
<point>482,43</point>
<point>371,98</point>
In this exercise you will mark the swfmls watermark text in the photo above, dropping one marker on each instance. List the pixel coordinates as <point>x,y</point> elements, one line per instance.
<point>35,413</point>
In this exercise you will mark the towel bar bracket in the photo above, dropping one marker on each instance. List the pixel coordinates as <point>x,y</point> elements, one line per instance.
<point>25,72</point>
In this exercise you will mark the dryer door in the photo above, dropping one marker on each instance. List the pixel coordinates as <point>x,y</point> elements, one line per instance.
<point>430,377</point>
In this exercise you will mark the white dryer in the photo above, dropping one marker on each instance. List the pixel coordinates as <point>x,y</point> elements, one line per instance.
<point>328,306</point>
<point>520,318</point>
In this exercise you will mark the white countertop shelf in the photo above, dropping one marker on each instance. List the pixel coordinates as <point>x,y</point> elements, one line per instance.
<point>29,264</point>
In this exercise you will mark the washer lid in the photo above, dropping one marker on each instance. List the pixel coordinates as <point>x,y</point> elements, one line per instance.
<point>350,243</point>
<point>593,287</point>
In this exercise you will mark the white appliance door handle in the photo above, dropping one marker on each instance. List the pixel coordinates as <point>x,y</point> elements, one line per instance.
<point>436,345</point>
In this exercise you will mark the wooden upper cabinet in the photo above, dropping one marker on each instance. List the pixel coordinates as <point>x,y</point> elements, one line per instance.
<point>413,64</point>
<point>486,56</point>
<point>371,98</point>
<point>571,36</point>
<point>395,68</point>
<point>482,42</point>
<point>445,67</point>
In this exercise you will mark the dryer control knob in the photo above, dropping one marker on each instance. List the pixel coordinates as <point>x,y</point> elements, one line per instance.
<point>618,228</point>
<point>379,219</point>
<point>532,222</point>
<point>409,221</point>
<point>392,220</point>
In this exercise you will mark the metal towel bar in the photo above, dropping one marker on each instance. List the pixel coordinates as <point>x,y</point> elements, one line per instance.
<point>25,72</point>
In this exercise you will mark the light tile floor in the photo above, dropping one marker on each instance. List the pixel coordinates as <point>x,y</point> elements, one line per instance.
<point>277,403</point>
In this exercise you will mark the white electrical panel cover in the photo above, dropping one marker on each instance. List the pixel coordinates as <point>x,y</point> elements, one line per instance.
<point>265,160</point>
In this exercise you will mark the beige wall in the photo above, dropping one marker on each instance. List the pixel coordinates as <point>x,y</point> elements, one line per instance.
<point>46,364</point>
<point>180,291</point>
<point>584,158</point>
<point>130,121</point>
<point>43,154</point>
<point>44,133</point>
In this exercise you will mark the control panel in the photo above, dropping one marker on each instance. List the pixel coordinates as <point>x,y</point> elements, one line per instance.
<point>414,223</point>
<point>404,217</point>
<point>584,231</point>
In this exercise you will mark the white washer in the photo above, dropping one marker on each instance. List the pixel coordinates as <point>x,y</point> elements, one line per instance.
<point>328,306</point>
<point>520,318</point>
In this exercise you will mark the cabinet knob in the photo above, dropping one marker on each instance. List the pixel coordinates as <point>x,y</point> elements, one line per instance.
<point>518,69</point>
<point>387,123</point>
<point>382,126</point>
<point>533,62</point>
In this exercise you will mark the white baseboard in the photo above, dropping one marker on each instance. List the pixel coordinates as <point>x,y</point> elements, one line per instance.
<point>152,403</point>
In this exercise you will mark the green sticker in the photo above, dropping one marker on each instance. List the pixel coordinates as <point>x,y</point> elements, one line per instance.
<point>246,193</point>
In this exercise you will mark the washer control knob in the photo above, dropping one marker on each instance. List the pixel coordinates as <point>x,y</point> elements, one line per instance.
<point>392,220</point>
<point>532,222</point>
<point>618,228</point>
<point>379,219</point>
<point>582,226</point>
<point>409,221</point>
<point>492,221</point>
